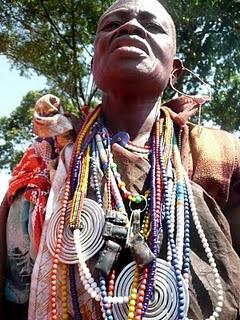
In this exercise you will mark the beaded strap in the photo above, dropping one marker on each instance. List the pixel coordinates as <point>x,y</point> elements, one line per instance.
<point>74,296</point>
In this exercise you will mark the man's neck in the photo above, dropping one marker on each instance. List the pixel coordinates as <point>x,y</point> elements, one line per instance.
<point>135,115</point>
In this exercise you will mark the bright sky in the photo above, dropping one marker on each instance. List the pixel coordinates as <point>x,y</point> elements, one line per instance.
<point>12,89</point>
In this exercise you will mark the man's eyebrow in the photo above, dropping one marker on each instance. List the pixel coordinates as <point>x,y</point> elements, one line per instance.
<point>143,16</point>
<point>121,13</point>
<point>126,13</point>
<point>148,16</point>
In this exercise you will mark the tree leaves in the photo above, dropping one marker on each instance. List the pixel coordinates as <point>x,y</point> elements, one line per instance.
<point>55,39</point>
<point>16,131</point>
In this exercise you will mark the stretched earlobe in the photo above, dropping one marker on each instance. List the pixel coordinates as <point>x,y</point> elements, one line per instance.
<point>177,69</point>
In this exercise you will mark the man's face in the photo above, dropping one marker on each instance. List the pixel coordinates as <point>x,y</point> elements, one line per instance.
<point>135,41</point>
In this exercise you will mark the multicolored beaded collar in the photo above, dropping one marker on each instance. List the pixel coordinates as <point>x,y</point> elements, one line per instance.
<point>148,287</point>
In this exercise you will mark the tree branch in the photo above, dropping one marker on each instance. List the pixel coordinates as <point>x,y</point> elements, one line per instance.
<point>54,25</point>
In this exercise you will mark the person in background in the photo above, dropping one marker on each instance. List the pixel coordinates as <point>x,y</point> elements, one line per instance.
<point>24,205</point>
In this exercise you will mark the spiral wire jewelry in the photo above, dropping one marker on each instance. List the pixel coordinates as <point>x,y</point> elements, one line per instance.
<point>91,224</point>
<point>164,301</point>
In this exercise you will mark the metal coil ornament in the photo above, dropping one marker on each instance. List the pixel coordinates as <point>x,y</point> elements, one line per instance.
<point>164,302</point>
<point>91,221</point>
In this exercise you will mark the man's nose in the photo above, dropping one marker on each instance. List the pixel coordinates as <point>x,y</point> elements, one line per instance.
<point>132,27</point>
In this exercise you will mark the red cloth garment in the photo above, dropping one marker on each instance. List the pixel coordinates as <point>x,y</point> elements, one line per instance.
<point>32,174</point>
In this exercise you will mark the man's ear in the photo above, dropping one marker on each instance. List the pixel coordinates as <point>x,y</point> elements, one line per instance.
<point>177,69</point>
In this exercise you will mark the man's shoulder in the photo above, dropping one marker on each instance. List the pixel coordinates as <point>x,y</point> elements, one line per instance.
<point>211,144</point>
<point>203,132</point>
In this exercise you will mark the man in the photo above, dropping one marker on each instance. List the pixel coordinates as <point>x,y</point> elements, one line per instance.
<point>132,179</point>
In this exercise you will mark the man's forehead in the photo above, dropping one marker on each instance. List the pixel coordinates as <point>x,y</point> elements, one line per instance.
<point>151,7</point>
<point>146,3</point>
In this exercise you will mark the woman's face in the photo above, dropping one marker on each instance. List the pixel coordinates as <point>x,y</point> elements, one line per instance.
<point>135,41</point>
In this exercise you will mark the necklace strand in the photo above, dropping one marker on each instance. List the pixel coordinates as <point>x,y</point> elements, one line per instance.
<point>170,192</point>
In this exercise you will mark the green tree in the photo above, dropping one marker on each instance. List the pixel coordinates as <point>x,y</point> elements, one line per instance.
<point>16,131</point>
<point>208,34</point>
<point>55,40</point>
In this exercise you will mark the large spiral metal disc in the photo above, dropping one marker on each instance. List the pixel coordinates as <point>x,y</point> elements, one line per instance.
<point>92,220</point>
<point>164,302</point>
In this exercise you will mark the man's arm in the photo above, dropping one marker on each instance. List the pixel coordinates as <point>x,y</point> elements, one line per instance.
<point>232,210</point>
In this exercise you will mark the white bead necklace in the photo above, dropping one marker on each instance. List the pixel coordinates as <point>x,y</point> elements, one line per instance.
<point>217,310</point>
<point>85,275</point>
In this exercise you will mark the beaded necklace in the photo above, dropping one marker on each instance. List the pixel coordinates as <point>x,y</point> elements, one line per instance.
<point>167,207</point>
<point>123,139</point>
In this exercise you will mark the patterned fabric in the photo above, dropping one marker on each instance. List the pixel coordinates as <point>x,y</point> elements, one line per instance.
<point>32,174</point>
<point>49,118</point>
<point>20,250</point>
<point>214,163</point>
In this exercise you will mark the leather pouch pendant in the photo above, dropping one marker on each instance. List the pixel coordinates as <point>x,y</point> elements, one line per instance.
<point>108,256</point>
<point>111,230</point>
<point>141,251</point>
<point>116,217</point>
